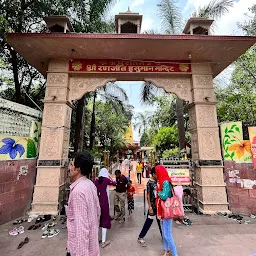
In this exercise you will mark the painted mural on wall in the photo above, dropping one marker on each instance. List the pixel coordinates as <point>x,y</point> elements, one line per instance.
<point>15,147</point>
<point>252,135</point>
<point>234,148</point>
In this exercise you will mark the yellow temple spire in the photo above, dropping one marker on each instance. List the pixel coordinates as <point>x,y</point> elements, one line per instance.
<point>129,135</point>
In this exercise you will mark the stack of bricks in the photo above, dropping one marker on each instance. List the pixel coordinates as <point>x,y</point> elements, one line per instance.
<point>240,180</point>
<point>15,192</point>
<point>16,118</point>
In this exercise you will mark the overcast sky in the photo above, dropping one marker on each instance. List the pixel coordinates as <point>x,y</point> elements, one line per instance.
<point>227,25</point>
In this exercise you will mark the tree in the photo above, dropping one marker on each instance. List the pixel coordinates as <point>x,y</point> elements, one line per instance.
<point>237,100</point>
<point>166,138</point>
<point>164,115</point>
<point>27,16</point>
<point>172,23</point>
<point>142,121</point>
<point>114,95</point>
<point>144,140</point>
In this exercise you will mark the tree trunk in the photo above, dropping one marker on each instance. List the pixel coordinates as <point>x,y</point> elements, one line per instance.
<point>180,120</point>
<point>92,131</point>
<point>79,133</point>
<point>15,76</point>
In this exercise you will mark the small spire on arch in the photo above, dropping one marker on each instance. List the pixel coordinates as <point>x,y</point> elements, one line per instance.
<point>128,9</point>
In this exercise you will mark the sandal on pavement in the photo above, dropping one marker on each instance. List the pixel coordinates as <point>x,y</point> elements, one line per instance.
<point>103,245</point>
<point>142,242</point>
<point>53,232</point>
<point>37,226</point>
<point>17,222</point>
<point>52,224</point>
<point>26,240</point>
<point>31,227</point>
<point>14,232</point>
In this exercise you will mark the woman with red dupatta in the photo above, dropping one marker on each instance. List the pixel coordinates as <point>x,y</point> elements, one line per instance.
<point>164,191</point>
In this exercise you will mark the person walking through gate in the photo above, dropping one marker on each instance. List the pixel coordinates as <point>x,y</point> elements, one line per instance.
<point>120,195</point>
<point>139,168</point>
<point>164,191</point>
<point>152,212</point>
<point>130,199</point>
<point>83,210</point>
<point>102,184</point>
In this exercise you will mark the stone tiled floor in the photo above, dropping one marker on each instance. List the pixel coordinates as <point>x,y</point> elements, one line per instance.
<point>208,236</point>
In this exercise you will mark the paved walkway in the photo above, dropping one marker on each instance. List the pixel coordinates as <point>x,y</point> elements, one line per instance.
<point>208,236</point>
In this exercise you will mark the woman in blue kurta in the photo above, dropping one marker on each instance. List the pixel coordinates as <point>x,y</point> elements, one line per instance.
<point>102,184</point>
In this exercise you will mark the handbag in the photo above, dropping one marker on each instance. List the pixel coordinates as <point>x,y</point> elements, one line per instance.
<point>171,207</point>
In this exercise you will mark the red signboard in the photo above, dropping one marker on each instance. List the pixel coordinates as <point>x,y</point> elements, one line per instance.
<point>121,66</point>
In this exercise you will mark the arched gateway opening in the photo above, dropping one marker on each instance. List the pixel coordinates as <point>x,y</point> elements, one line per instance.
<point>64,86</point>
<point>78,63</point>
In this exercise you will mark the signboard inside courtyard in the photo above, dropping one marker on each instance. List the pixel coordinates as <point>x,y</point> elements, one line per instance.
<point>179,176</point>
<point>122,66</point>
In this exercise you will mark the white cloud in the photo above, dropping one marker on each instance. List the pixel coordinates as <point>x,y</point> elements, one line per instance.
<point>146,24</point>
<point>137,3</point>
<point>227,25</point>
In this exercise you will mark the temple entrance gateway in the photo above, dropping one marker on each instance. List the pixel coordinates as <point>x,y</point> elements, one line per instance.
<point>78,63</point>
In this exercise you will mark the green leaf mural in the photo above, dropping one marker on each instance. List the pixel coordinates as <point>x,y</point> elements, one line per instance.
<point>31,149</point>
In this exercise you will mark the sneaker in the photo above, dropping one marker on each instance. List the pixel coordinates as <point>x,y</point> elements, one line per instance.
<point>122,221</point>
<point>45,233</point>
<point>21,230</point>
<point>45,227</point>
<point>14,232</point>
<point>252,216</point>
<point>53,232</point>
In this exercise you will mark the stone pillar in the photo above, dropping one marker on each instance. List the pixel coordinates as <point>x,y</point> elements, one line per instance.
<point>53,156</point>
<point>142,155</point>
<point>205,142</point>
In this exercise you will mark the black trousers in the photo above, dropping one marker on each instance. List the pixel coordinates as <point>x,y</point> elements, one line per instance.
<point>139,177</point>
<point>147,226</point>
<point>68,254</point>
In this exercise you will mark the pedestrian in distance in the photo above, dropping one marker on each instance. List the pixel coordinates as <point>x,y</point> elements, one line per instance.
<point>139,168</point>
<point>119,197</point>
<point>83,210</point>
<point>130,198</point>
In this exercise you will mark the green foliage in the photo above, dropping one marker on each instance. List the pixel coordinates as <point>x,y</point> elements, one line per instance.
<point>145,140</point>
<point>164,115</point>
<point>31,149</point>
<point>237,101</point>
<point>170,153</point>
<point>214,9</point>
<point>110,127</point>
<point>166,138</point>
<point>142,121</point>
<point>27,16</point>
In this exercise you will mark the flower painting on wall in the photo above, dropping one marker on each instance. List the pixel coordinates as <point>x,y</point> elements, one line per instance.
<point>234,148</point>
<point>12,147</point>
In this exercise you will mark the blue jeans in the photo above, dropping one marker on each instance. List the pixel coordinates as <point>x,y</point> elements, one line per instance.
<point>169,244</point>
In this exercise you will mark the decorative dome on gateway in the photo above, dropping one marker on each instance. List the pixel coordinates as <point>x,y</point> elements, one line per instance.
<point>128,22</point>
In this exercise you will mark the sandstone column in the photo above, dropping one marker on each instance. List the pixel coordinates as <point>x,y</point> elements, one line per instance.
<point>53,156</point>
<point>205,142</point>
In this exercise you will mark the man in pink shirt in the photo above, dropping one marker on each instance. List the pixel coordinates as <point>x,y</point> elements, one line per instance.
<point>83,211</point>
